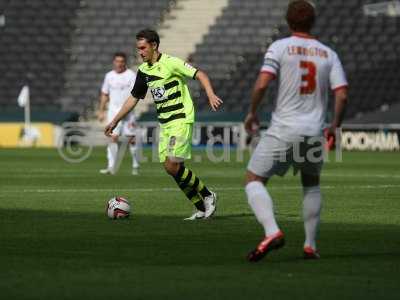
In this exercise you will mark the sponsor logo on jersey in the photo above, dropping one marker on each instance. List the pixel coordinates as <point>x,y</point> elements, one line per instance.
<point>158,93</point>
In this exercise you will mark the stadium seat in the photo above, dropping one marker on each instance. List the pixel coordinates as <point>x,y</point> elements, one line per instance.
<point>364,44</point>
<point>69,44</point>
<point>57,43</point>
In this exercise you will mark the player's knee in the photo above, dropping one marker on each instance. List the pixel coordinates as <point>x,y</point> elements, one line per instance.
<point>171,168</point>
<point>250,176</point>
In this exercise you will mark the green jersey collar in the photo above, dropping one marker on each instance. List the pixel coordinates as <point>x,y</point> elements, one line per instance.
<point>158,59</point>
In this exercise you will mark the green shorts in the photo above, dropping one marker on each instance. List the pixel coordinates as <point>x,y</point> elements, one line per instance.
<point>176,142</point>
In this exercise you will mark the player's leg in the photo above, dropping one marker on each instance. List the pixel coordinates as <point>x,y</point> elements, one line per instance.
<point>261,202</point>
<point>112,151</point>
<point>268,159</point>
<point>112,147</point>
<point>130,130</point>
<point>262,206</point>
<point>188,182</point>
<point>311,212</point>
<point>310,179</point>
<point>133,151</point>
<point>174,147</point>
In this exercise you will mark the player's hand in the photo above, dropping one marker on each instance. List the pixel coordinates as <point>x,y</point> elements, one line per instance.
<point>330,136</point>
<point>214,102</point>
<point>101,115</point>
<point>251,123</point>
<point>109,128</point>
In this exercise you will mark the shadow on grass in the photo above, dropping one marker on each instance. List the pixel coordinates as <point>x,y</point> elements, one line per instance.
<point>85,255</point>
<point>168,240</point>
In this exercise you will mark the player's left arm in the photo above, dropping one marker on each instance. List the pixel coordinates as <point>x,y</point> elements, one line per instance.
<point>251,122</point>
<point>186,70</point>
<point>339,85</point>
<point>269,70</point>
<point>214,101</point>
<point>341,99</point>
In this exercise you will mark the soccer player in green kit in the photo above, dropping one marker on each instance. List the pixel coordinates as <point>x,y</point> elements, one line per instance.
<point>165,76</point>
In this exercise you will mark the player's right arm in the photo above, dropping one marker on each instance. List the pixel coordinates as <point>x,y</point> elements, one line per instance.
<point>104,99</point>
<point>129,104</point>
<point>251,123</point>
<point>269,71</point>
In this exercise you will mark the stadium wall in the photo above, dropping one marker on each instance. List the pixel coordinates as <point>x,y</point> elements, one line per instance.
<point>360,137</point>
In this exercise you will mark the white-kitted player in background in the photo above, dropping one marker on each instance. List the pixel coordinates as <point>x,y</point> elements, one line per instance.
<point>116,88</point>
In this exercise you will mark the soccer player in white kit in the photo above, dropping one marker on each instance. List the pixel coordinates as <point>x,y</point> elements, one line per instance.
<point>305,69</point>
<point>116,87</point>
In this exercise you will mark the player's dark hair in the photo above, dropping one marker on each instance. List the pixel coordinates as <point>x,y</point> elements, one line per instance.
<point>120,54</point>
<point>149,35</point>
<point>300,16</point>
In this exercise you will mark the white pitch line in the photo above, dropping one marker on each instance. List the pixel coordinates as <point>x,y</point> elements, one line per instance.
<point>360,175</point>
<point>147,190</point>
<point>68,174</point>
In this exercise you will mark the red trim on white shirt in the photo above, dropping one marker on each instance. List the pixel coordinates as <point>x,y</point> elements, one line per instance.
<point>340,87</point>
<point>303,35</point>
<point>268,72</point>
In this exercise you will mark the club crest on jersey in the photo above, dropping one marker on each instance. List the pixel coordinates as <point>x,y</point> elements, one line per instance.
<point>158,93</point>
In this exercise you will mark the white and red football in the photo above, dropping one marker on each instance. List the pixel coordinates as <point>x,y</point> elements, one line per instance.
<point>118,208</point>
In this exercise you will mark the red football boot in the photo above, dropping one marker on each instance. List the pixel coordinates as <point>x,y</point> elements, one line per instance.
<point>269,243</point>
<point>310,253</point>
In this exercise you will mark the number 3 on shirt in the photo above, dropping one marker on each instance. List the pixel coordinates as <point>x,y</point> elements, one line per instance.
<point>308,81</point>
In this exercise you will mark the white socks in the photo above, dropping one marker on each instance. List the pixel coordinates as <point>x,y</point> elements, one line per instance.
<point>311,214</point>
<point>135,163</point>
<point>262,206</point>
<point>112,152</point>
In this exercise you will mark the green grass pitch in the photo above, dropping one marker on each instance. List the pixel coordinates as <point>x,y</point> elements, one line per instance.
<point>56,242</point>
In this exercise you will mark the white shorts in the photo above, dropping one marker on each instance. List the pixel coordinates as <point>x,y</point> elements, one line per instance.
<point>126,127</point>
<point>274,156</point>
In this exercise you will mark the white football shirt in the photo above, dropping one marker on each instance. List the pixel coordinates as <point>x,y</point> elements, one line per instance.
<point>118,87</point>
<point>306,70</point>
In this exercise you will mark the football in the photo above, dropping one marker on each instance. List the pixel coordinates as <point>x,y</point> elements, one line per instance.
<point>118,208</point>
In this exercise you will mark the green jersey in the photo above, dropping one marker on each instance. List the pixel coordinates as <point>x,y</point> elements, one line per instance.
<point>166,79</point>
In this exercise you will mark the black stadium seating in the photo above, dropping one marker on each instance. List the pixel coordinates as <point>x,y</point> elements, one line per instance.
<point>102,28</point>
<point>369,48</point>
<point>33,46</point>
<point>63,49</point>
